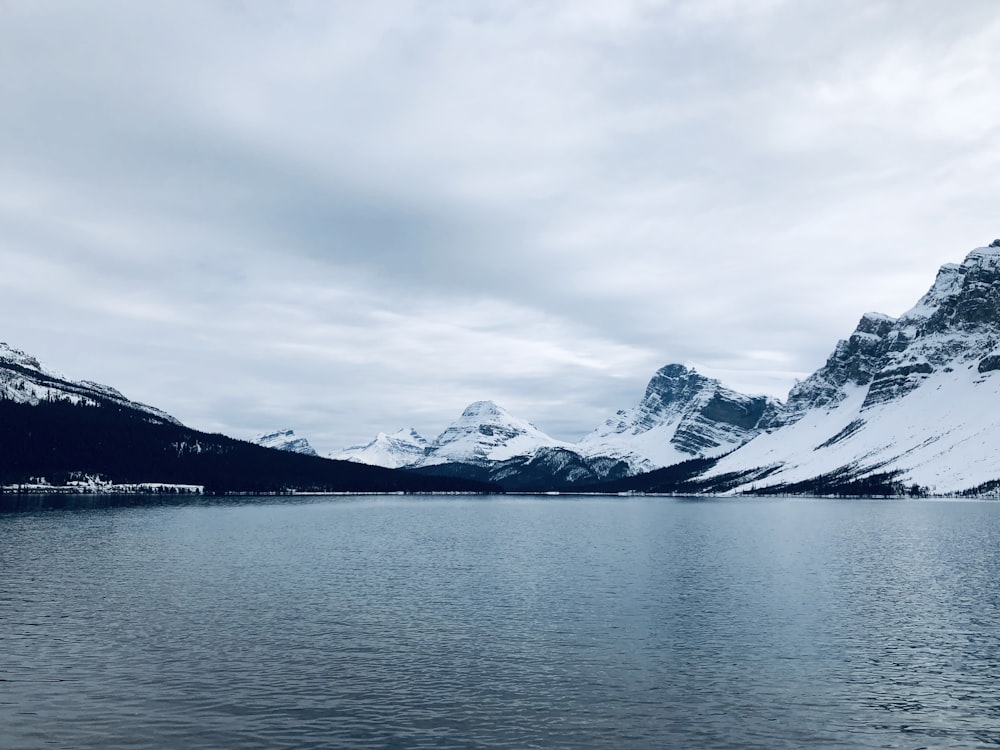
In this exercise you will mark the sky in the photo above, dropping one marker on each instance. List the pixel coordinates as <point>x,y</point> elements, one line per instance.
<point>346,218</point>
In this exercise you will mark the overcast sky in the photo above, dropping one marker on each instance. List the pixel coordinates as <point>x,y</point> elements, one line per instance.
<point>351,217</point>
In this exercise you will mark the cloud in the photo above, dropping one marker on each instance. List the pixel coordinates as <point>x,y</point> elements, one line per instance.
<point>348,218</point>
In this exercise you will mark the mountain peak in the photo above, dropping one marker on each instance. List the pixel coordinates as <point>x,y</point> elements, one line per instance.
<point>483,410</point>
<point>964,298</point>
<point>671,384</point>
<point>681,415</point>
<point>987,257</point>
<point>405,447</point>
<point>285,440</point>
<point>274,435</point>
<point>17,357</point>
<point>487,432</point>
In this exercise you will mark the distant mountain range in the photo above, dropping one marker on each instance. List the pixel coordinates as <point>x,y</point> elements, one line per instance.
<point>902,406</point>
<point>682,415</point>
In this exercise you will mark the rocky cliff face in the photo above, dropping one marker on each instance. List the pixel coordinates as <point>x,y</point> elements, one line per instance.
<point>682,414</point>
<point>956,323</point>
<point>23,379</point>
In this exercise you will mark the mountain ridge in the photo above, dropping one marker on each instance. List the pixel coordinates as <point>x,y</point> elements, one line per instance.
<point>901,406</point>
<point>23,379</point>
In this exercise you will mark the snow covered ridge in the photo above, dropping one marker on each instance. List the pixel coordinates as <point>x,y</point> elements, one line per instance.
<point>285,440</point>
<point>24,380</point>
<point>914,398</point>
<point>683,415</point>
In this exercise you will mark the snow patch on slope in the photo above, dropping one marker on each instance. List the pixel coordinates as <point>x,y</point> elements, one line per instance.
<point>934,436</point>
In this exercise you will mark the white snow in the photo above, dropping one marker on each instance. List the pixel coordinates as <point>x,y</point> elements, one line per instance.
<point>405,447</point>
<point>942,436</point>
<point>487,432</point>
<point>484,433</point>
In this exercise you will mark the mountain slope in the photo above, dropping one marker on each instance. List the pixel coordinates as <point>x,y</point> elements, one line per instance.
<point>912,398</point>
<point>543,470</point>
<point>24,380</point>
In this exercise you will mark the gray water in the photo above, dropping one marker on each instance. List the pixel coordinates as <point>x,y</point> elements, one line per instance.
<point>447,622</point>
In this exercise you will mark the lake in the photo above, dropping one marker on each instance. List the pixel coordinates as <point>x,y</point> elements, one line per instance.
<point>502,622</point>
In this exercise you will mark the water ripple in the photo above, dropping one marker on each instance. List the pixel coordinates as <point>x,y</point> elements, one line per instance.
<point>502,623</point>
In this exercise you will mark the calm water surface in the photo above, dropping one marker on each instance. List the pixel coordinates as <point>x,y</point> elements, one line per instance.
<point>439,622</point>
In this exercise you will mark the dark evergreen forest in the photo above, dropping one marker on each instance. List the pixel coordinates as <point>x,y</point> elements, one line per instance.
<point>58,441</point>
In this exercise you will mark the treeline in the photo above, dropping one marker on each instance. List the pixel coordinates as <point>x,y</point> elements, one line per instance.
<point>55,439</point>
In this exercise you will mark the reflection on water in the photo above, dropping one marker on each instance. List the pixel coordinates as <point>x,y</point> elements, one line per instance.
<point>502,623</point>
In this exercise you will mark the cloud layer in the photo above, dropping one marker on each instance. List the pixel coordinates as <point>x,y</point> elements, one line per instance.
<point>347,218</point>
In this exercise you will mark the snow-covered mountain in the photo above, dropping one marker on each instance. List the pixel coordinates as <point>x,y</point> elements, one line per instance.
<point>913,399</point>
<point>907,403</point>
<point>485,433</point>
<point>682,415</point>
<point>285,440</point>
<point>403,448</point>
<point>23,379</point>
